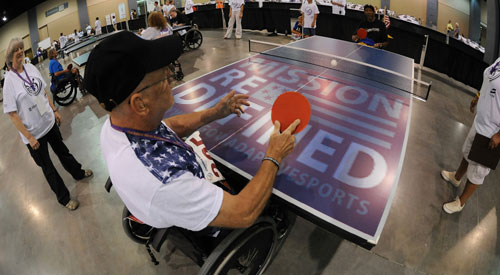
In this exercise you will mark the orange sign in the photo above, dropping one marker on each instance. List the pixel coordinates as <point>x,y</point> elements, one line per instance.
<point>219,5</point>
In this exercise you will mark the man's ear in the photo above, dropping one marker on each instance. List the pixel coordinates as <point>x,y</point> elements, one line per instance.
<point>138,105</point>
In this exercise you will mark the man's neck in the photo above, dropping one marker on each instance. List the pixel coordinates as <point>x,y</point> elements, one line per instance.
<point>131,123</point>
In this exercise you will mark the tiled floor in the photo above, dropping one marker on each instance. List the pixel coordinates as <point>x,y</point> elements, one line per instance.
<point>41,237</point>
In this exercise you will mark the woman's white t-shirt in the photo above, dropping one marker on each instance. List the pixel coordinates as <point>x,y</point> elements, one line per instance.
<point>31,105</point>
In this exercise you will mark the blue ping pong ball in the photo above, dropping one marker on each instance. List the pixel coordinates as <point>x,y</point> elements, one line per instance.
<point>334,62</point>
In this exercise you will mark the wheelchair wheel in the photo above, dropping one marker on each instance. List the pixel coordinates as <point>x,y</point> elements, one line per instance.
<point>65,95</point>
<point>244,251</point>
<point>193,39</point>
<point>136,231</point>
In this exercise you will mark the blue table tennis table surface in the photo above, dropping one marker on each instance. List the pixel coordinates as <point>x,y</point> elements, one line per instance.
<point>346,164</point>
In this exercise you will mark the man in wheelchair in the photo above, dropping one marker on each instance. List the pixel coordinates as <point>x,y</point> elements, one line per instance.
<point>60,76</point>
<point>163,180</point>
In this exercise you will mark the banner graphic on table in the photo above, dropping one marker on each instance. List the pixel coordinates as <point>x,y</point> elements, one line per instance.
<point>345,162</point>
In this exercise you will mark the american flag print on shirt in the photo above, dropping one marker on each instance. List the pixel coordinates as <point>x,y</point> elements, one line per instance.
<point>165,160</point>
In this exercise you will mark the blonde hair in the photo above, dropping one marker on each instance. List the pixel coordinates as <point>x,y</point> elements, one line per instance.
<point>157,20</point>
<point>13,46</point>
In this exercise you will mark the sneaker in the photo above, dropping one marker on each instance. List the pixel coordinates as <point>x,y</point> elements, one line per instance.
<point>450,177</point>
<point>453,206</point>
<point>72,205</point>
<point>88,173</point>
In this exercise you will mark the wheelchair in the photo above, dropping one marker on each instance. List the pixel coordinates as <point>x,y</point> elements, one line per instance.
<point>234,251</point>
<point>64,92</point>
<point>191,36</point>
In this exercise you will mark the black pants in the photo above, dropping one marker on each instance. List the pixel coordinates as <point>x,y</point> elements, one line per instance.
<point>42,159</point>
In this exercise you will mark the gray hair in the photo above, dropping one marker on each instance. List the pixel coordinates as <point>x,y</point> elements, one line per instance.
<point>13,46</point>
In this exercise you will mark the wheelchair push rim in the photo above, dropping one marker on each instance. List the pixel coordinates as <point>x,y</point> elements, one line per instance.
<point>244,251</point>
<point>193,39</point>
<point>66,95</point>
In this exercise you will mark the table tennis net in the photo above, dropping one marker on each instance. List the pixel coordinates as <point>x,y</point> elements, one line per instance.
<point>343,68</point>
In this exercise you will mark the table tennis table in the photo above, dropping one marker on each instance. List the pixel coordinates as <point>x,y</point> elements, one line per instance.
<point>344,170</point>
<point>89,41</point>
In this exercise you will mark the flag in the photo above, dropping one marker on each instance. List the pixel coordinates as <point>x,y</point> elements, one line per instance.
<point>387,22</point>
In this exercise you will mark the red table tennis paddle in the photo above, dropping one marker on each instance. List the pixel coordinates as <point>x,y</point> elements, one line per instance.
<point>290,106</point>
<point>362,33</point>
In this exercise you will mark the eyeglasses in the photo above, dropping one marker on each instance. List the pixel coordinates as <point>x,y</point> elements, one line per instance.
<point>168,78</point>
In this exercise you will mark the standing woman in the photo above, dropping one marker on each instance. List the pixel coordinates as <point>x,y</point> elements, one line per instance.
<point>235,15</point>
<point>29,106</point>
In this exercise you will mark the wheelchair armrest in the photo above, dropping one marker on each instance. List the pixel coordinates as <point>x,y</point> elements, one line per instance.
<point>108,185</point>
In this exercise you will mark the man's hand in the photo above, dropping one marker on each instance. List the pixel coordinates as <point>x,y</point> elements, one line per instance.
<point>473,104</point>
<point>281,144</point>
<point>231,104</point>
<point>355,38</point>
<point>494,141</point>
<point>378,45</point>
<point>34,143</point>
<point>58,117</point>
<point>241,14</point>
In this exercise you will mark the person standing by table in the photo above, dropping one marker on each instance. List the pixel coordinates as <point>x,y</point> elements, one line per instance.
<point>235,15</point>
<point>31,110</point>
<point>98,26</point>
<point>486,123</point>
<point>449,28</point>
<point>338,7</point>
<point>189,11</point>
<point>456,32</point>
<point>156,7</point>
<point>310,13</point>
<point>157,175</point>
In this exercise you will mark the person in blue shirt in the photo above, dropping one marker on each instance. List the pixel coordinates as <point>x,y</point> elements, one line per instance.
<point>56,70</point>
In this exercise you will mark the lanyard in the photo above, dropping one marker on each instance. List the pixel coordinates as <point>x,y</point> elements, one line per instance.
<point>28,81</point>
<point>494,68</point>
<point>177,142</point>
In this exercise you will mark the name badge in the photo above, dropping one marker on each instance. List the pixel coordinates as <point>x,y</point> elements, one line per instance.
<point>41,103</point>
<point>203,158</point>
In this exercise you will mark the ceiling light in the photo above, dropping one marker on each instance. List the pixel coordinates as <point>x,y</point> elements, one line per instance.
<point>4,18</point>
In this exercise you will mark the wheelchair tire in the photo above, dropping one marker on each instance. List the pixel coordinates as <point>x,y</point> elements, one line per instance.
<point>193,39</point>
<point>244,251</point>
<point>65,96</point>
<point>137,232</point>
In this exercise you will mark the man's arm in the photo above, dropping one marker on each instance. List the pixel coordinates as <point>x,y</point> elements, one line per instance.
<point>184,125</point>
<point>243,209</point>
<point>383,34</point>
<point>337,3</point>
<point>241,11</point>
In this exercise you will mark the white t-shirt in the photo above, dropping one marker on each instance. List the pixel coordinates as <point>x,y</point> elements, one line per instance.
<point>62,41</point>
<point>150,33</point>
<point>155,180</point>
<point>188,9</point>
<point>165,10</point>
<point>337,9</point>
<point>487,119</point>
<point>19,97</point>
<point>309,11</point>
<point>98,25</point>
<point>169,8</point>
<point>113,20</point>
<point>236,4</point>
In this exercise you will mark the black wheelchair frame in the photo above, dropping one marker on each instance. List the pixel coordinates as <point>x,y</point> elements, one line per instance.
<point>247,251</point>
<point>65,90</point>
<point>192,38</point>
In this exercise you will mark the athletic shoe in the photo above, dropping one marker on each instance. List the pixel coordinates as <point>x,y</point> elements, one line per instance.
<point>450,177</point>
<point>453,206</point>
<point>72,205</point>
